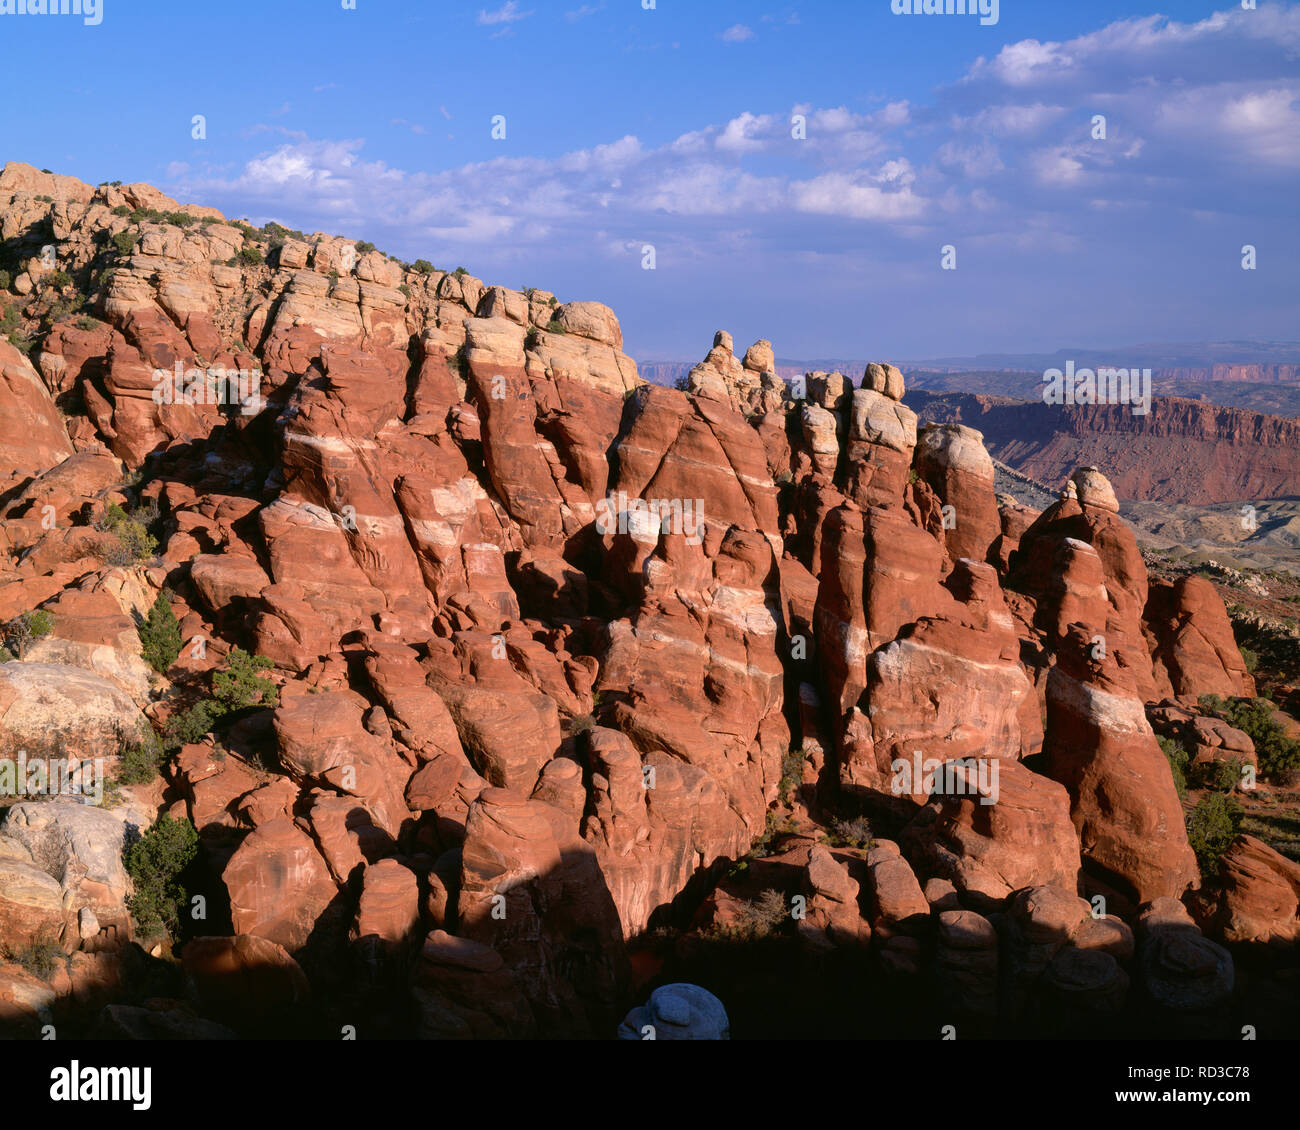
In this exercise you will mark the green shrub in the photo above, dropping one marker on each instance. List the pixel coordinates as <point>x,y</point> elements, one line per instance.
<point>40,958</point>
<point>1219,776</point>
<point>250,256</point>
<point>554,326</point>
<point>63,308</point>
<point>58,279</point>
<point>6,281</point>
<point>192,724</point>
<point>1211,826</point>
<point>6,656</point>
<point>22,631</point>
<point>1276,752</point>
<point>125,242</point>
<point>87,323</point>
<point>1250,658</point>
<point>160,635</point>
<point>134,541</point>
<point>121,210</point>
<point>364,248</point>
<point>460,272</point>
<point>241,684</point>
<point>855,833</point>
<point>774,827</point>
<point>154,862</point>
<point>756,919</point>
<point>275,234</point>
<point>139,763</point>
<point>149,216</point>
<point>1178,759</point>
<point>791,771</point>
<point>423,267</point>
<point>406,290</point>
<point>581,724</point>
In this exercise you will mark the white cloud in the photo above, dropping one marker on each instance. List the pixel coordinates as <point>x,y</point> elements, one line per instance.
<point>737,33</point>
<point>894,114</point>
<point>1013,121</point>
<point>1056,167</point>
<point>838,194</point>
<point>1247,122</point>
<point>741,134</point>
<point>1001,157</point>
<point>508,13</point>
<point>706,189</point>
<point>896,172</point>
<point>603,158</point>
<point>328,184</point>
<point>977,161</point>
<point>697,141</point>
<point>964,200</point>
<point>1171,92</point>
<point>1268,123</point>
<point>832,121</point>
<point>1026,62</point>
<point>1148,40</point>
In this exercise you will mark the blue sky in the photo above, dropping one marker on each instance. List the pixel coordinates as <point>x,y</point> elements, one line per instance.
<point>672,127</point>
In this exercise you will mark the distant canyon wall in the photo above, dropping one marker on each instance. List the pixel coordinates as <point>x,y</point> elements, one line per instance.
<point>1184,451</point>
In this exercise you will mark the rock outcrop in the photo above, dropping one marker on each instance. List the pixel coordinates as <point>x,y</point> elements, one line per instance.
<point>1100,746</point>
<point>554,662</point>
